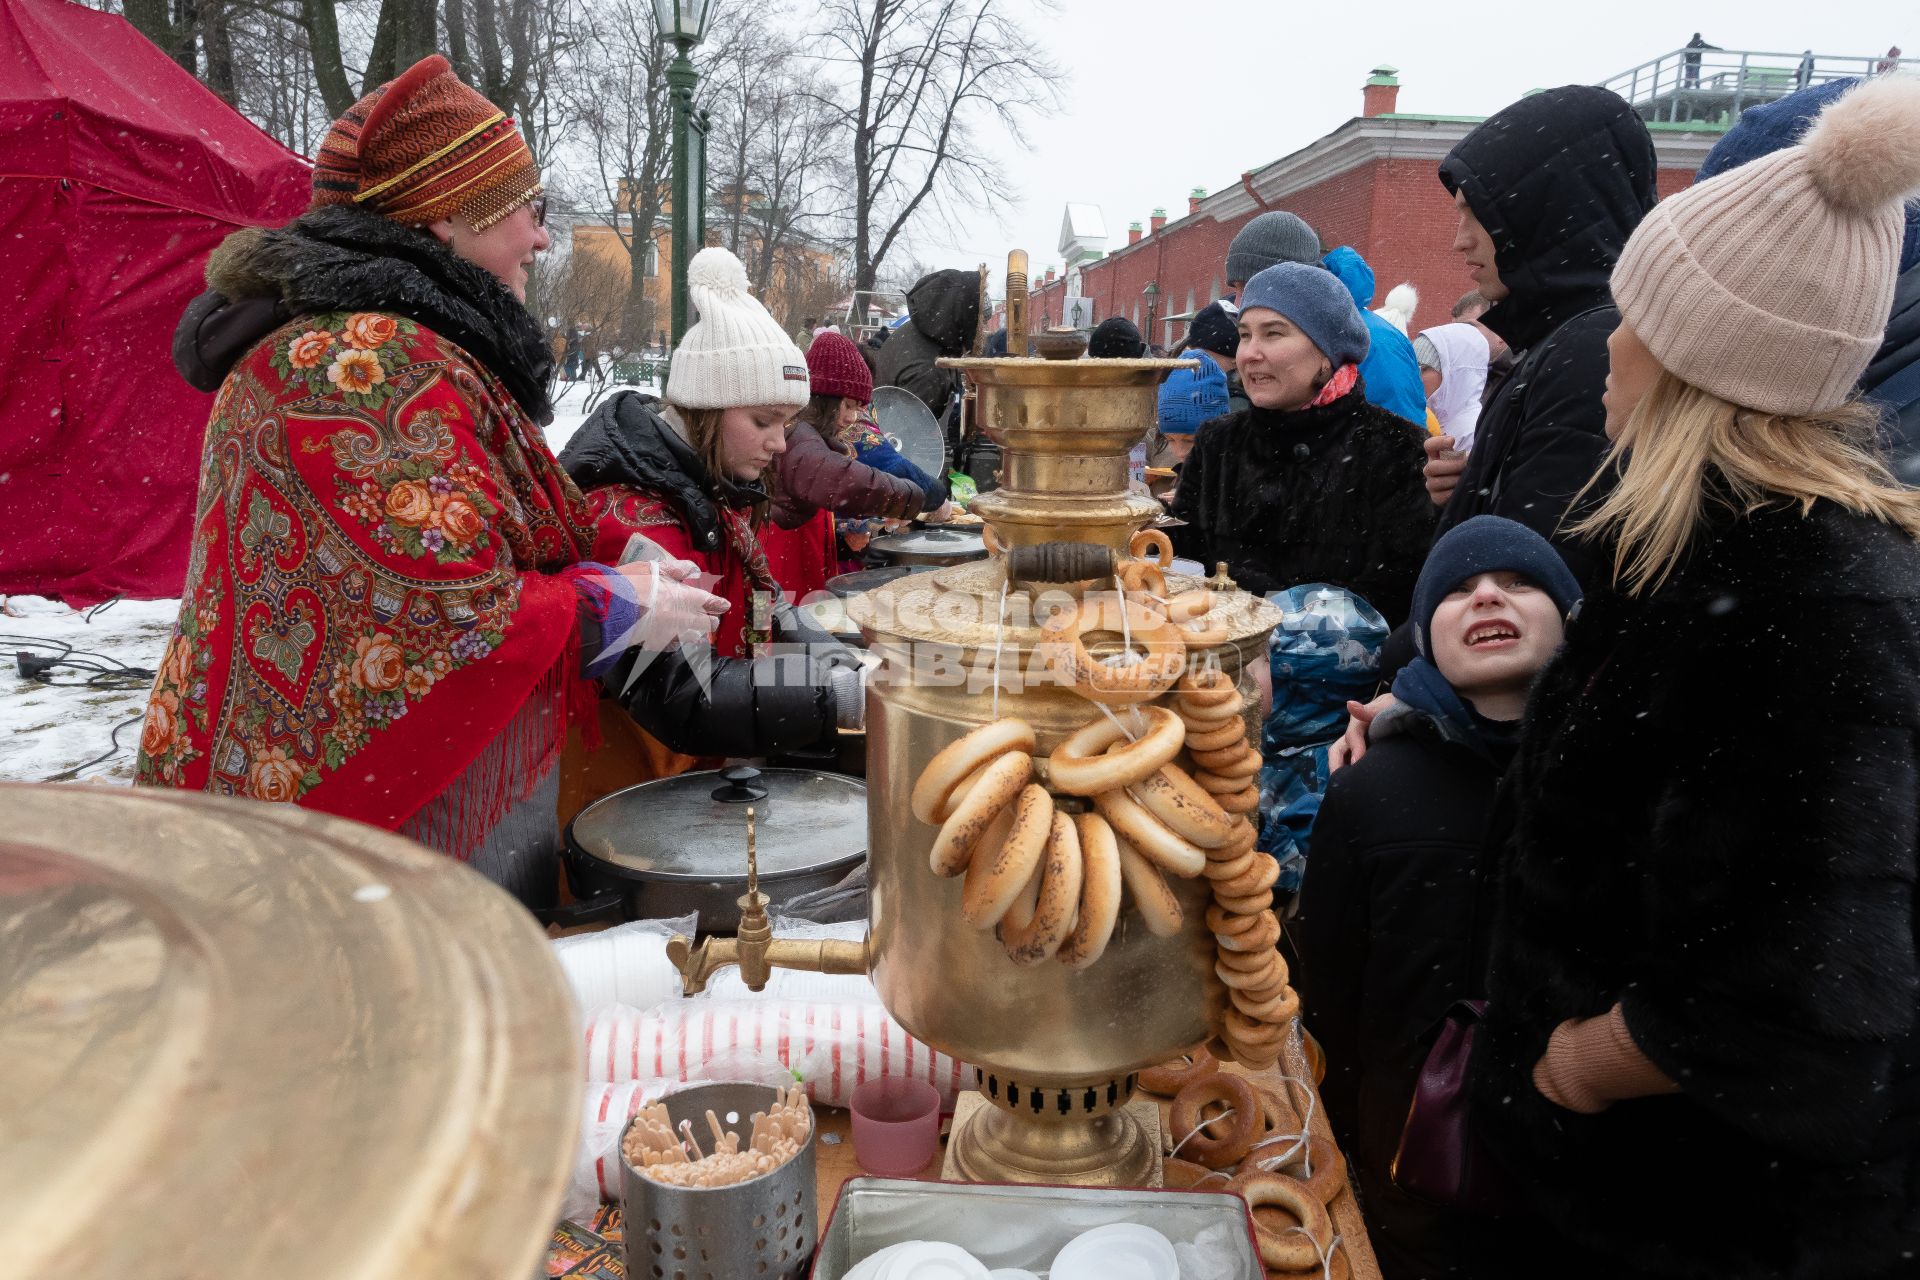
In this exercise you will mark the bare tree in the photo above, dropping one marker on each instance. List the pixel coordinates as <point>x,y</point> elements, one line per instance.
<point>619,97</point>
<point>922,77</point>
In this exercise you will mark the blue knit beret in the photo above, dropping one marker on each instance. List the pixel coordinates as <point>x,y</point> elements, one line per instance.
<point>1488,544</point>
<point>1190,397</point>
<point>1318,305</point>
<point>1775,126</point>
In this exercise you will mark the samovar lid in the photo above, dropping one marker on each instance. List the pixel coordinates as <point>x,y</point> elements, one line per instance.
<point>242,1039</point>
<point>693,826</point>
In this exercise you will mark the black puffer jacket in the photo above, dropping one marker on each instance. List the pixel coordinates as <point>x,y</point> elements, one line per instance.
<point>1384,935</point>
<point>1716,824</point>
<point>944,312</point>
<point>1559,179</point>
<point>1330,494</point>
<point>719,706</point>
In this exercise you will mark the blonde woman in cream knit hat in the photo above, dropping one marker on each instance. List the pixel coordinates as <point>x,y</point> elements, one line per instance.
<point>1702,1049</point>
<point>686,476</point>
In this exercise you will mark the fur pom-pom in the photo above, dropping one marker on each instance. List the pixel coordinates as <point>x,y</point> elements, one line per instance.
<point>1863,153</point>
<point>718,270</point>
<point>1402,301</point>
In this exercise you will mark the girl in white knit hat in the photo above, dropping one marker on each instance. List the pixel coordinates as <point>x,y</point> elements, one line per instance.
<point>687,475</point>
<point>1702,1049</point>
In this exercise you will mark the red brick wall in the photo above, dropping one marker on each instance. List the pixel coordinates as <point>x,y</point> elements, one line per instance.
<point>1394,212</point>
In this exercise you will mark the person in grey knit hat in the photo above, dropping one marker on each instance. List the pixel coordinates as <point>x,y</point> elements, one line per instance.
<point>1310,483</point>
<point>1275,236</point>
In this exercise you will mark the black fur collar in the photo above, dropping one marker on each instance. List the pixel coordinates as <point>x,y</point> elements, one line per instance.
<point>346,259</point>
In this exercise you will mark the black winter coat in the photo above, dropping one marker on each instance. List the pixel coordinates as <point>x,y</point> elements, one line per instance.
<point>738,706</point>
<point>943,313</point>
<point>1384,936</point>
<point>1330,494</point>
<point>1559,179</point>
<point>1716,823</point>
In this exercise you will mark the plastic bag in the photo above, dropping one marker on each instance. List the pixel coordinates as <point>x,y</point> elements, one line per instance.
<point>625,965</point>
<point>844,902</point>
<point>1325,651</point>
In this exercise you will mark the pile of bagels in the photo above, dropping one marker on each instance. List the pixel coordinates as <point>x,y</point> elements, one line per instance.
<point>1171,790</point>
<point>1246,1136</point>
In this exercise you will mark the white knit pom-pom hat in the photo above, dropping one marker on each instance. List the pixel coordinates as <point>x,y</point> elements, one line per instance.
<point>1770,285</point>
<point>734,355</point>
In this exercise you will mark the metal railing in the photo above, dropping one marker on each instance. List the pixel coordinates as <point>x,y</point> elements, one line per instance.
<point>1713,86</point>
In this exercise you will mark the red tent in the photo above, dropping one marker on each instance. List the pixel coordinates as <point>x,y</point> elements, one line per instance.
<point>119,173</point>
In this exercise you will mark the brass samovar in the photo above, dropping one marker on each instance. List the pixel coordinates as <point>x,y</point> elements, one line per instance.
<point>1057,1049</point>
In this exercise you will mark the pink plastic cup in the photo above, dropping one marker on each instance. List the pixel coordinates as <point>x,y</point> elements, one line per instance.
<point>896,1126</point>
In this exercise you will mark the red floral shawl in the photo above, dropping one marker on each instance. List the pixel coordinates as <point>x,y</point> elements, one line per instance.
<point>373,589</point>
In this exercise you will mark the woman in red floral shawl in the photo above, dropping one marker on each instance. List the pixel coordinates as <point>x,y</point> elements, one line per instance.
<point>381,616</point>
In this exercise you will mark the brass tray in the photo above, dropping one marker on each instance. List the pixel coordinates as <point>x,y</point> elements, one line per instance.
<point>242,1040</point>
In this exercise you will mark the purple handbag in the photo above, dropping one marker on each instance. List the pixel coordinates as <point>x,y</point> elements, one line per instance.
<point>1441,1158</point>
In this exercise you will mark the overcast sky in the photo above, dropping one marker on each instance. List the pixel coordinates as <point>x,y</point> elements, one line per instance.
<point>1167,95</point>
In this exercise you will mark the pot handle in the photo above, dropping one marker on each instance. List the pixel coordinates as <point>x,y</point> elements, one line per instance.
<point>607,905</point>
<point>1060,562</point>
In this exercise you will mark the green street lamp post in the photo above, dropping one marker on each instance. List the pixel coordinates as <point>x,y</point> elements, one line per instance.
<point>684,24</point>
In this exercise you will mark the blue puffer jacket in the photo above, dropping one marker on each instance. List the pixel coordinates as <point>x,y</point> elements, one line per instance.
<point>1390,371</point>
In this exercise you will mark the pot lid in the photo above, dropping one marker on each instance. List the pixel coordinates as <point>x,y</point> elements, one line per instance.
<point>932,542</point>
<point>911,428</point>
<point>675,827</point>
<point>243,1039</point>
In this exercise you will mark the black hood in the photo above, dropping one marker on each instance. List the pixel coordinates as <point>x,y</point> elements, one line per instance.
<point>945,306</point>
<point>1559,179</point>
<point>626,442</point>
<point>346,259</point>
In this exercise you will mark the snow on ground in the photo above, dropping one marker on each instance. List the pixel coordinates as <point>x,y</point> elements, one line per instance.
<point>50,729</point>
<point>55,730</point>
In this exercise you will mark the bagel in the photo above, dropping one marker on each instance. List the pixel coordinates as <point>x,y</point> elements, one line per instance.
<point>1261,1058</point>
<point>1182,1174</point>
<point>1289,1251</point>
<point>1155,539</point>
<point>1189,611</point>
<point>1264,936</point>
<point>1149,836</point>
<point>996,876</point>
<point>1020,912</point>
<point>998,787</point>
<point>1228,761</point>
<point>1100,883</point>
<point>1083,765</point>
<point>1222,869</point>
<point>1251,904</point>
<point>1169,1078</point>
<point>1171,795</point>
<point>1216,785</point>
<point>1280,1008</point>
<point>1212,718</point>
<point>959,793</point>
<point>1240,1029</point>
<point>1277,1110</point>
<point>1253,964</point>
<point>1195,1134</point>
<point>963,757</point>
<point>1052,919</point>
<point>1244,801</point>
<point>1244,838</point>
<point>1207,687</point>
<point>1063,644</point>
<point>1221,921</point>
<point>1159,909</point>
<point>1256,879</point>
<point>1329,1176</point>
<point>1229,734</point>
<point>1246,979</point>
<point>1141,578</point>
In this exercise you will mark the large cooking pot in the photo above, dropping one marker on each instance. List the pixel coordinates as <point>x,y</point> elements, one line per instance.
<point>941,545</point>
<point>677,845</point>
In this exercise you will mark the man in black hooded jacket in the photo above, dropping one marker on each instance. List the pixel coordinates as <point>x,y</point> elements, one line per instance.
<point>943,312</point>
<point>1548,190</point>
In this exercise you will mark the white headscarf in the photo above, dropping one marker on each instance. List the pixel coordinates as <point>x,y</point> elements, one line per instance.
<point>1464,354</point>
